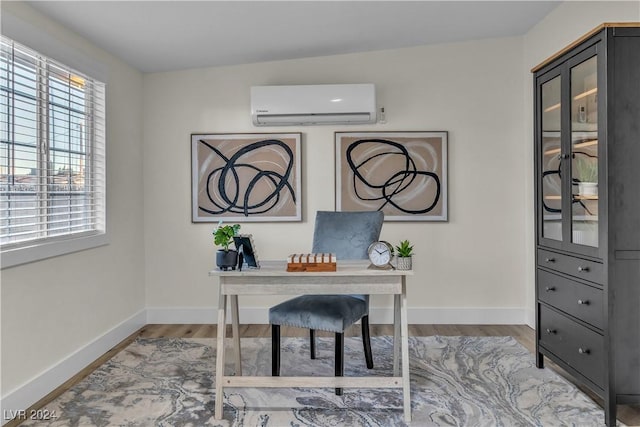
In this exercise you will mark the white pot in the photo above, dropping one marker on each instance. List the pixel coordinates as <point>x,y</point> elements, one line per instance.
<point>588,188</point>
<point>404,263</point>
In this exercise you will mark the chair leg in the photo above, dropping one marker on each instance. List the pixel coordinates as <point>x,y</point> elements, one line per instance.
<point>339,358</point>
<point>366,341</point>
<point>275,350</point>
<point>312,343</point>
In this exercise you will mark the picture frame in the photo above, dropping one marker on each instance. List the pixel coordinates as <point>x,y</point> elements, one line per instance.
<point>246,177</point>
<point>403,174</point>
<point>246,247</point>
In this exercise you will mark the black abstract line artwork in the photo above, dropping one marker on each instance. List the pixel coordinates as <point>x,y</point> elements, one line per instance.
<point>402,174</point>
<point>246,177</point>
<point>398,183</point>
<point>218,177</point>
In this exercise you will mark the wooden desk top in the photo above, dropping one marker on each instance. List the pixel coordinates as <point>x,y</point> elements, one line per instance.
<point>344,268</point>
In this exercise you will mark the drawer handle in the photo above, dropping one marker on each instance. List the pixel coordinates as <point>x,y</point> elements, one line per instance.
<point>585,269</point>
<point>551,331</point>
<point>583,301</point>
<point>550,289</point>
<point>584,350</point>
<point>549,260</point>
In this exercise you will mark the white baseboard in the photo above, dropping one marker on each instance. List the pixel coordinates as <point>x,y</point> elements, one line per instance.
<point>183,315</point>
<point>452,316</point>
<point>26,395</point>
<point>530,319</point>
<point>377,315</point>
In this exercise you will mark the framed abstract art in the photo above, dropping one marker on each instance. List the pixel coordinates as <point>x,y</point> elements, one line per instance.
<point>246,177</point>
<point>403,174</point>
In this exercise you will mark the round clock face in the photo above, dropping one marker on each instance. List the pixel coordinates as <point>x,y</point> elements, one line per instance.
<point>380,253</point>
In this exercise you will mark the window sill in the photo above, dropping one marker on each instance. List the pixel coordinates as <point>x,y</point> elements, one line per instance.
<point>40,251</point>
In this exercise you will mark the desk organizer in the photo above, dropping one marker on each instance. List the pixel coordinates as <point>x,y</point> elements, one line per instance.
<point>311,262</point>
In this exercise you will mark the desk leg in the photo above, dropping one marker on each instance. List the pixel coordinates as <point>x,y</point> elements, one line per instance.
<point>404,325</point>
<point>396,335</point>
<point>222,327</point>
<point>236,333</point>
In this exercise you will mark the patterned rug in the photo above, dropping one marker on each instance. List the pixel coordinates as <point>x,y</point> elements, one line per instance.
<point>455,381</point>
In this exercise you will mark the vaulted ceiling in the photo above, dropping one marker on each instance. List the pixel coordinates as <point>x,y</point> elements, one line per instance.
<point>170,35</point>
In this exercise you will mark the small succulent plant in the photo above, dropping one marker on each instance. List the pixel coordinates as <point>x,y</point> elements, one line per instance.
<point>404,249</point>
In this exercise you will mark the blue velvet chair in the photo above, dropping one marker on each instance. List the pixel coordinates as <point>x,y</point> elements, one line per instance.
<point>348,235</point>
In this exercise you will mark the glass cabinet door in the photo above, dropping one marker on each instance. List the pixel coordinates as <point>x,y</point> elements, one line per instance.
<point>551,159</point>
<point>568,155</point>
<point>584,153</point>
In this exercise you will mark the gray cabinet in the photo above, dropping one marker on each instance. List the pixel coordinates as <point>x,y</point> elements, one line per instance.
<point>587,145</point>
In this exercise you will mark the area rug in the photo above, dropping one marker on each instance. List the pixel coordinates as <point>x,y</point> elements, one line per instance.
<point>455,381</point>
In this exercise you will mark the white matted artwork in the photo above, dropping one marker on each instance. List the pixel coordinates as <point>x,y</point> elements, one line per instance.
<point>403,174</point>
<point>246,177</point>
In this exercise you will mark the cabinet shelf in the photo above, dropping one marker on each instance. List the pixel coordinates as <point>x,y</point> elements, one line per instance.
<point>575,197</point>
<point>584,218</point>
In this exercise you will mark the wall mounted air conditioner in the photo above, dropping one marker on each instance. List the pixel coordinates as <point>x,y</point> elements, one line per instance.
<point>313,104</point>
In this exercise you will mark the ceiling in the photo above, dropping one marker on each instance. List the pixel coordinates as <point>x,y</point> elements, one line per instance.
<point>157,36</point>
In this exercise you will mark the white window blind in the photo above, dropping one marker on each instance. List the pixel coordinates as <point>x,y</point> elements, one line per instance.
<point>52,150</point>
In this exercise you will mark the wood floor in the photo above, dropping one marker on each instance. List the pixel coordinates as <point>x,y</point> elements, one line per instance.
<point>627,414</point>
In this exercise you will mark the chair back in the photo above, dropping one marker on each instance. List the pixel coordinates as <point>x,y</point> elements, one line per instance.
<point>346,234</point>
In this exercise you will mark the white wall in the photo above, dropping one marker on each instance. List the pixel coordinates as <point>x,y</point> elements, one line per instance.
<point>565,24</point>
<point>470,269</point>
<point>476,268</point>
<point>53,309</point>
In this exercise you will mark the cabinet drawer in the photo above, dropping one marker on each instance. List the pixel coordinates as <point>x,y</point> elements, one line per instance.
<point>578,346</point>
<point>577,299</point>
<point>578,267</point>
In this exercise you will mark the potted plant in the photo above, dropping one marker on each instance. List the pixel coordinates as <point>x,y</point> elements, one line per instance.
<point>404,253</point>
<point>223,236</point>
<point>586,174</point>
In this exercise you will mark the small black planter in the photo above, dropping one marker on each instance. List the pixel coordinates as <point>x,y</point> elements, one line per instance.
<point>226,260</point>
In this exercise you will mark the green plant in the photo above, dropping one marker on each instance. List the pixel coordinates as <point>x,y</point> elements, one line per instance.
<point>405,249</point>
<point>586,168</point>
<point>223,235</point>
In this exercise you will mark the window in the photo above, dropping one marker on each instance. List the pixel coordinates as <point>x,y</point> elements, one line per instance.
<point>52,152</point>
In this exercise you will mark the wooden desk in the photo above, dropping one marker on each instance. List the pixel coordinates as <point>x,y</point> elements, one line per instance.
<point>351,277</point>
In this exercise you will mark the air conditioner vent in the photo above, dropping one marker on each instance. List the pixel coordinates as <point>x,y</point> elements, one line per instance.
<point>313,104</point>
